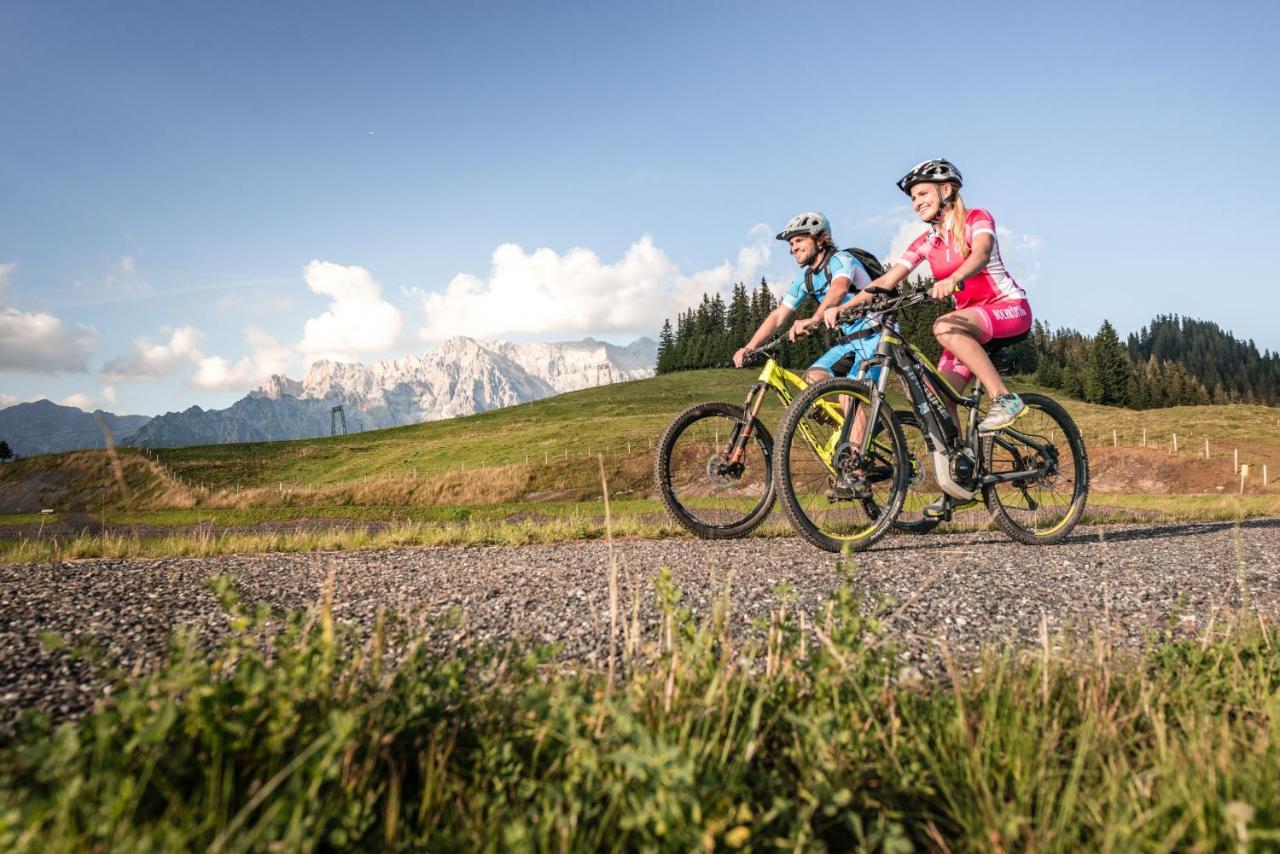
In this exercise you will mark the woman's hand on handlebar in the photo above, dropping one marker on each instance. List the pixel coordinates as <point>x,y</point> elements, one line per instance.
<point>740,357</point>
<point>944,288</point>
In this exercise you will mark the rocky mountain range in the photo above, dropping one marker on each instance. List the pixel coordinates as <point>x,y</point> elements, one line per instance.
<point>44,427</point>
<point>461,377</point>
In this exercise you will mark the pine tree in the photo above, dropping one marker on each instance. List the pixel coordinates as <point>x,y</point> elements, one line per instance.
<point>666,348</point>
<point>1107,371</point>
<point>740,327</point>
<point>1136,390</point>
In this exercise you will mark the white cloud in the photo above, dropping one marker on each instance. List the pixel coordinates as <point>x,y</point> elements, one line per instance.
<point>7,400</point>
<point>38,342</point>
<point>80,401</point>
<point>358,320</point>
<point>109,394</point>
<point>121,281</point>
<point>908,230</point>
<point>151,361</point>
<point>267,356</point>
<point>1021,255</point>
<point>544,292</point>
<point>6,272</point>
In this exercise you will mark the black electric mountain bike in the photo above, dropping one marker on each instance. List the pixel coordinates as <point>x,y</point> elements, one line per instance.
<point>841,491</point>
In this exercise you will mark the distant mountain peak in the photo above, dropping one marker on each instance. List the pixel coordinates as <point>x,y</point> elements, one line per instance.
<point>461,376</point>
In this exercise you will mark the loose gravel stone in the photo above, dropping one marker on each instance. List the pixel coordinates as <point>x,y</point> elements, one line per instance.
<point>960,592</point>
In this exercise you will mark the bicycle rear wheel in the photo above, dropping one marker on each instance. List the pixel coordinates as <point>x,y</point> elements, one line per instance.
<point>834,500</point>
<point>1046,503</point>
<point>703,490</point>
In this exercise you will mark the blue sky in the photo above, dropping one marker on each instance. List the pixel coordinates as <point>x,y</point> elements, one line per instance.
<point>197,195</point>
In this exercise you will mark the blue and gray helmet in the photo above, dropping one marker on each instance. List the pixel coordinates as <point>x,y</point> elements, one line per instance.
<point>809,222</point>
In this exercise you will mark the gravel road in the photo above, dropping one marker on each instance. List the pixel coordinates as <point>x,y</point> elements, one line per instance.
<point>969,589</point>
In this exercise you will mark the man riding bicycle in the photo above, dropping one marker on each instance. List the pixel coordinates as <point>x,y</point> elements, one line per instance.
<point>831,277</point>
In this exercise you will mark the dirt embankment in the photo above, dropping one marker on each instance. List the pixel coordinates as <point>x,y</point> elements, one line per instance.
<point>1159,472</point>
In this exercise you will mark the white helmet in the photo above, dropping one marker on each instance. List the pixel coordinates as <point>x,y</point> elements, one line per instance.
<point>809,222</point>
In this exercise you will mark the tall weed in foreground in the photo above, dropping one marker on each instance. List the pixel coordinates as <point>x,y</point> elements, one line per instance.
<point>298,733</point>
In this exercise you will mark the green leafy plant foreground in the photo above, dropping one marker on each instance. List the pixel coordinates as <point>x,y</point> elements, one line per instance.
<point>297,733</point>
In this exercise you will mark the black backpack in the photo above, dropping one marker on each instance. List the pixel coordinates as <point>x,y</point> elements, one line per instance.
<point>869,262</point>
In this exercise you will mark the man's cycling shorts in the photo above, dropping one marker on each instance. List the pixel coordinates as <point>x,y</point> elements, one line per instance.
<point>1003,319</point>
<point>843,359</point>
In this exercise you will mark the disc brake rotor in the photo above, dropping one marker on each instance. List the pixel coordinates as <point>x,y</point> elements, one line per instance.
<point>723,474</point>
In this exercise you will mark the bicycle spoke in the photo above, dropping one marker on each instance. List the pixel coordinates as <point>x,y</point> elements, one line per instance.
<point>706,490</point>
<point>1043,506</point>
<point>837,500</point>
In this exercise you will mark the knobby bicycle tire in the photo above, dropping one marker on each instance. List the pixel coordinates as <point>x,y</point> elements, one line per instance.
<point>1037,510</point>
<point>830,520</point>
<point>710,505</point>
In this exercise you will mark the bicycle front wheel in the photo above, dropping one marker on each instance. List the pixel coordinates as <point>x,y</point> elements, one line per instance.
<point>835,499</point>
<point>922,485</point>
<point>704,489</point>
<point>1045,473</point>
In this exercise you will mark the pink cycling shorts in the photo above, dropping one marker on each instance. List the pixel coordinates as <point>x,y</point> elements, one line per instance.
<point>1003,319</point>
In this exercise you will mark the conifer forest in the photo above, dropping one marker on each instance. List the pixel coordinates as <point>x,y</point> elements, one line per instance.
<point>1173,361</point>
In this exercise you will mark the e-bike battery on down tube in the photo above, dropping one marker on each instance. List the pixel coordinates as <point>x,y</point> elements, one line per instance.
<point>945,427</point>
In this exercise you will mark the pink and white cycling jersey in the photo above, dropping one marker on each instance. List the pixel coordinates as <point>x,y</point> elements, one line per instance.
<point>990,284</point>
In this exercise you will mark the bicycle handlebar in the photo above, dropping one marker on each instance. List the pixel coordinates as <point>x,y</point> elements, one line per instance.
<point>890,301</point>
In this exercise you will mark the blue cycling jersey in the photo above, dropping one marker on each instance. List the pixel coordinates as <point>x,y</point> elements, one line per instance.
<point>842,264</point>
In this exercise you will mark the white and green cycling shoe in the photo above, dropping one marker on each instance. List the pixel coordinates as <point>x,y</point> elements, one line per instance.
<point>1004,410</point>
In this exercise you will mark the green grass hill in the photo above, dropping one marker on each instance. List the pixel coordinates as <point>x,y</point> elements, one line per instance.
<point>548,450</point>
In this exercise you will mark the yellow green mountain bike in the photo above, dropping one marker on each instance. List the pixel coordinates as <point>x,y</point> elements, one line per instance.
<point>714,464</point>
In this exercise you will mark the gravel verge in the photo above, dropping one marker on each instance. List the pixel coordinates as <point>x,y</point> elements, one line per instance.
<point>962,590</point>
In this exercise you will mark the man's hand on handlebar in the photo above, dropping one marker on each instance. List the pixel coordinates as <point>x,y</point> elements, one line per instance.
<point>831,317</point>
<point>801,328</point>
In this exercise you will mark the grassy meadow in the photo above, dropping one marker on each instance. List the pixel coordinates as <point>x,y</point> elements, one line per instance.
<point>531,473</point>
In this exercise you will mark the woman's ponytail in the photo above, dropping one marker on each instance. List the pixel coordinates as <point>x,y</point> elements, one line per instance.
<point>958,216</point>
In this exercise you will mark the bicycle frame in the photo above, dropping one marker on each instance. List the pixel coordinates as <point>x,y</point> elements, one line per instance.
<point>781,381</point>
<point>942,436</point>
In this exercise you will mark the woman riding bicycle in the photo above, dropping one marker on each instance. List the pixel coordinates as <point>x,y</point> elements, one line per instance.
<point>961,247</point>
<point>830,277</point>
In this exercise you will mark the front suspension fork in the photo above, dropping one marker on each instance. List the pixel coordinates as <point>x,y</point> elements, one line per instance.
<point>742,432</point>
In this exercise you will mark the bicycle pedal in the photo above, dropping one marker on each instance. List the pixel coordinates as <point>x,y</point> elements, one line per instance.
<point>848,492</point>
